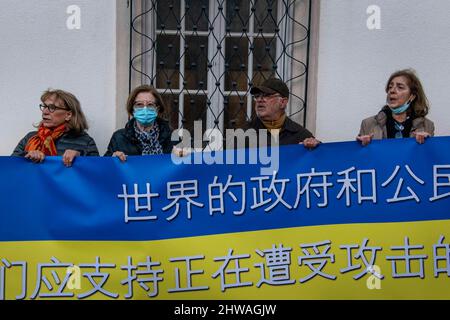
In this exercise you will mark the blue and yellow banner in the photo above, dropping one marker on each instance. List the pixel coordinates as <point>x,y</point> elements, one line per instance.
<point>339,222</point>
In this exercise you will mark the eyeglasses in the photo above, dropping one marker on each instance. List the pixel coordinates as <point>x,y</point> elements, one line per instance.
<point>265,96</point>
<point>51,107</point>
<point>399,127</point>
<point>141,105</point>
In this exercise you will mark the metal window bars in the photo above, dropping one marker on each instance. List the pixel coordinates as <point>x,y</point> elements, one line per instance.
<point>204,56</point>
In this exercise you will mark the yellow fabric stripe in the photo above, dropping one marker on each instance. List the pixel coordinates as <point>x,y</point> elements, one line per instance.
<point>385,235</point>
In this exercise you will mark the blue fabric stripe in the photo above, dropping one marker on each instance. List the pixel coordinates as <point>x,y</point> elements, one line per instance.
<point>50,202</point>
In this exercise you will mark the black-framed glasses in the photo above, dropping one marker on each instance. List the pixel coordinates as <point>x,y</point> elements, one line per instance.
<point>51,107</point>
<point>399,127</point>
<point>265,96</point>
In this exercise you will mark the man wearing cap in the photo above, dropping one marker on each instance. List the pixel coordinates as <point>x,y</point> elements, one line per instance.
<point>271,99</point>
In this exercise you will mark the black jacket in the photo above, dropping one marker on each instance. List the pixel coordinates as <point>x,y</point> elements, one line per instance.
<point>82,143</point>
<point>125,140</point>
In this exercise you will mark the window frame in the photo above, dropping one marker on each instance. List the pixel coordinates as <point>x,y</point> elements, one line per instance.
<point>216,97</point>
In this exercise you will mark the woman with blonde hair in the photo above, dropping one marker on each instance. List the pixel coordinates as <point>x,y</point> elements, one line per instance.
<point>61,132</point>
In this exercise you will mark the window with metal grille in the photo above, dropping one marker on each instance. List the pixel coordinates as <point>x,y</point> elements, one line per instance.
<point>204,56</point>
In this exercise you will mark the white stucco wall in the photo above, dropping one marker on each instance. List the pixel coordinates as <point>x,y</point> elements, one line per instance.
<point>38,51</point>
<point>354,62</point>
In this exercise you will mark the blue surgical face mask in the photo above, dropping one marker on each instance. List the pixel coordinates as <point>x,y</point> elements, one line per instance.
<point>400,109</point>
<point>145,116</point>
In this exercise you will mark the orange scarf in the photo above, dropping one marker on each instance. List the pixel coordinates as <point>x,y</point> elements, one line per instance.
<point>44,140</point>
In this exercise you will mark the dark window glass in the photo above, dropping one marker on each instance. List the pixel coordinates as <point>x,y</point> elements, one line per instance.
<point>265,16</point>
<point>235,112</point>
<point>196,62</point>
<point>195,107</point>
<point>167,62</point>
<point>197,15</point>
<point>236,64</point>
<point>264,59</point>
<point>168,14</point>
<point>237,16</point>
